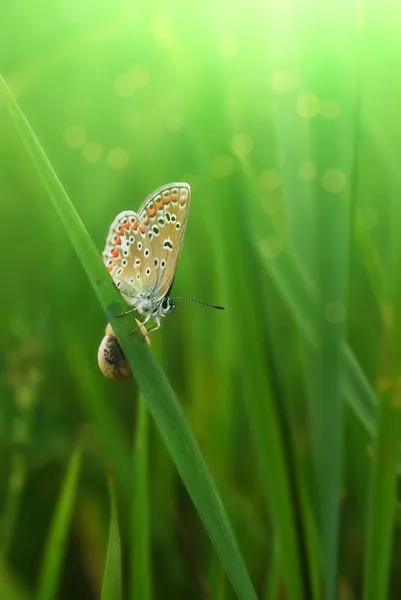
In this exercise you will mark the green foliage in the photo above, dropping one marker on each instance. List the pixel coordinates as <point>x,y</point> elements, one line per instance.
<point>284,118</point>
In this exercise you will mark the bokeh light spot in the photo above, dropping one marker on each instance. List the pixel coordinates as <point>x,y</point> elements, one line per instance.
<point>242,145</point>
<point>283,82</point>
<point>271,246</point>
<point>128,83</point>
<point>308,106</point>
<point>307,171</point>
<point>329,109</point>
<point>227,46</point>
<point>118,158</point>
<point>269,179</point>
<point>334,181</point>
<point>335,312</point>
<point>222,166</point>
<point>162,31</point>
<point>175,121</point>
<point>74,136</point>
<point>92,152</point>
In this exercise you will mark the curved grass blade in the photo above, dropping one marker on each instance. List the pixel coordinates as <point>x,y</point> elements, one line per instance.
<point>112,585</point>
<point>140,529</point>
<point>157,391</point>
<point>56,541</point>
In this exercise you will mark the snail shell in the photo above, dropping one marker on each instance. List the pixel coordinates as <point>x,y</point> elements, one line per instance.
<point>111,358</point>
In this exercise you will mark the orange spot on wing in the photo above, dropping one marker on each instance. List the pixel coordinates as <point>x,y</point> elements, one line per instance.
<point>183,202</point>
<point>174,195</point>
<point>120,231</point>
<point>146,220</point>
<point>114,253</point>
<point>166,200</point>
<point>159,204</point>
<point>142,229</point>
<point>126,225</point>
<point>110,268</point>
<point>117,242</point>
<point>135,225</point>
<point>151,211</point>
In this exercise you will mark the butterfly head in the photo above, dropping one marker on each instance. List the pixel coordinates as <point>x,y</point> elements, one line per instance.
<point>154,308</point>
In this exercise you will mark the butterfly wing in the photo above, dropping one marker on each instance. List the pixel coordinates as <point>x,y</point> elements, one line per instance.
<point>165,214</point>
<point>128,256</point>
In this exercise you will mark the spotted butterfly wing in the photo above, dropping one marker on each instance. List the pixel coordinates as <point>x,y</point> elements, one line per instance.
<point>142,249</point>
<point>128,256</point>
<point>165,213</point>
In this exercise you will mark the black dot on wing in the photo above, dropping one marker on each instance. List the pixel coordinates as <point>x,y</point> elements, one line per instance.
<point>147,252</point>
<point>155,230</point>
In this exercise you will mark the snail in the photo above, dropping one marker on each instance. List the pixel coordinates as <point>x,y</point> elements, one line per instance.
<point>111,358</point>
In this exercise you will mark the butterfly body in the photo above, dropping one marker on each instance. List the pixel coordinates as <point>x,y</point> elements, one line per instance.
<point>142,250</point>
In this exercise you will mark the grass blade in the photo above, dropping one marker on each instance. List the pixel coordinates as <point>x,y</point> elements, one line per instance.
<point>56,542</point>
<point>383,483</point>
<point>299,293</point>
<point>112,585</point>
<point>158,394</point>
<point>382,501</point>
<point>265,425</point>
<point>140,530</point>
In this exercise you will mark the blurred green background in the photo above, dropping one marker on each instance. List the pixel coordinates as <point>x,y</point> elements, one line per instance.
<point>268,110</point>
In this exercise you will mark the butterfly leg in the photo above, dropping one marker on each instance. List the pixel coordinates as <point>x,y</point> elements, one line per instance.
<point>157,319</point>
<point>140,325</point>
<point>127,312</point>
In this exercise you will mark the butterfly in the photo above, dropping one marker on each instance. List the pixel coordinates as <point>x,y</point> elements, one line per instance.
<point>142,250</point>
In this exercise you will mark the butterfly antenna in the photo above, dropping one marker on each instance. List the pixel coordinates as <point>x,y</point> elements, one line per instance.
<point>199,302</point>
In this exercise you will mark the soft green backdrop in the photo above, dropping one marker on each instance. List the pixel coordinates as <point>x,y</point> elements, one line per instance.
<point>285,119</point>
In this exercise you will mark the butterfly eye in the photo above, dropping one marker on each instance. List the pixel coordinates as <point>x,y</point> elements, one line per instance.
<point>165,304</point>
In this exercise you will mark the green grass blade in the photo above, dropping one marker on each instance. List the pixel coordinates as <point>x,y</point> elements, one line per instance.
<point>140,530</point>
<point>56,541</point>
<point>299,293</point>
<point>112,583</point>
<point>158,394</point>
<point>265,425</point>
<point>333,188</point>
<point>383,483</point>
<point>382,500</point>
